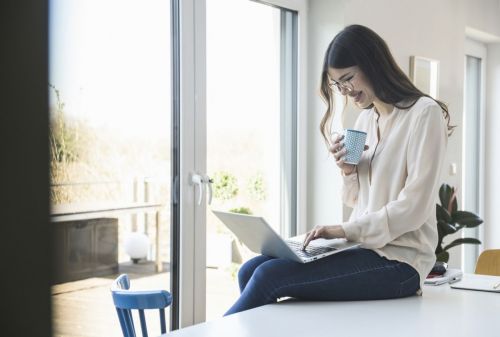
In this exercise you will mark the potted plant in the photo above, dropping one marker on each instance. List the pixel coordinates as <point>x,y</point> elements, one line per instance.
<point>450,220</point>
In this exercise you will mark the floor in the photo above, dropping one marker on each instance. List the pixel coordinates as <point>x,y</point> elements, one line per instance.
<point>85,308</point>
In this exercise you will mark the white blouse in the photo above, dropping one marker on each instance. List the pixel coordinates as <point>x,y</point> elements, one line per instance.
<point>395,209</point>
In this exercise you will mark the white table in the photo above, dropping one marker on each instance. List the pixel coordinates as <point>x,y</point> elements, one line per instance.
<point>440,311</point>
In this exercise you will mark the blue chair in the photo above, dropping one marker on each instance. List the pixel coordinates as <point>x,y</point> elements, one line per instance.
<point>126,300</point>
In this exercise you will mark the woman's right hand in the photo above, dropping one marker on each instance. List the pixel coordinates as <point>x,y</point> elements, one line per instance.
<point>339,151</point>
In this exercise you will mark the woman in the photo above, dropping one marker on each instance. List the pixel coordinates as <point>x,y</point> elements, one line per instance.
<point>392,189</point>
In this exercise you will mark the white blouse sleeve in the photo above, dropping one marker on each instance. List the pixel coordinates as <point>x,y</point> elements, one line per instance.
<point>350,188</point>
<point>425,156</point>
<point>350,183</point>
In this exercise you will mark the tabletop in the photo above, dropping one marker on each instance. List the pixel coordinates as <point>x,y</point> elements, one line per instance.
<point>440,311</point>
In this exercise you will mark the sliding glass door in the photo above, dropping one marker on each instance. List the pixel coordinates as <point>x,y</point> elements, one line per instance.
<point>151,105</point>
<point>111,145</point>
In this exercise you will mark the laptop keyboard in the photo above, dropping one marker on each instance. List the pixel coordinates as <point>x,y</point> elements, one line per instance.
<point>310,250</point>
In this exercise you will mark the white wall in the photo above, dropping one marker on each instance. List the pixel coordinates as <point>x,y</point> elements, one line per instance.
<point>325,20</point>
<point>483,15</point>
<point>434,29</point>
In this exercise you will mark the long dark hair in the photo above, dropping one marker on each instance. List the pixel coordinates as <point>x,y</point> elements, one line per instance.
<point>360,46</point>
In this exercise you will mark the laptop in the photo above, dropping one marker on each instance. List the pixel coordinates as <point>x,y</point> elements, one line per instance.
<point>261,238</point>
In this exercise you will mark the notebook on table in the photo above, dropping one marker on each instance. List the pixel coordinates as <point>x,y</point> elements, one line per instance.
<point>261,238</point>
<point>450,276</point>
<point>478,282</point>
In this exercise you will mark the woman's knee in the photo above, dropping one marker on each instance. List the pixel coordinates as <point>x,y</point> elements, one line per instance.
<point>411,283</point>
<point>248,268</point>
<point>275,269</point>
<point>244,274</point>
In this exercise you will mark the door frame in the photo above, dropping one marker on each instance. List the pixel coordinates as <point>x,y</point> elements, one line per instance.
<point>476,49</point>
<point>192,232</point>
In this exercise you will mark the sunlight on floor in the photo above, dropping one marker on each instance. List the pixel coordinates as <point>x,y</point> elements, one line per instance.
<point>85,308</point>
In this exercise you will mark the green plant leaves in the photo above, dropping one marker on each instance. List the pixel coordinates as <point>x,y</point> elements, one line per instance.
<point>443,256</point>
<point>442,214</point>
<point>446,228</point>
<point>241,210</point>
<point>447,193</point>
<point>458,242</point>
<point>450,220</point>
<point>257,187</point>
<point>454,204</point>
<point>466,219</point>
<point>225,185</point>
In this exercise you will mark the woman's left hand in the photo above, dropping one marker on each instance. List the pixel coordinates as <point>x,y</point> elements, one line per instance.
<point>326,232</point>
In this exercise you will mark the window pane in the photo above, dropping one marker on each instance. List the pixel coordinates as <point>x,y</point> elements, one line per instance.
<point>110,149</point>
<point>246,140</point>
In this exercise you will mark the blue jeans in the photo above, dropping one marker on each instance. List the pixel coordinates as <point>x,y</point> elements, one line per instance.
<point>355,274</point>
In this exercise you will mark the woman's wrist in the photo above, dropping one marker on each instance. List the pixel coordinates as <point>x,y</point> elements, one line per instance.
<point>337,232</point>
<point>341,232</point>
<point>350,172</point>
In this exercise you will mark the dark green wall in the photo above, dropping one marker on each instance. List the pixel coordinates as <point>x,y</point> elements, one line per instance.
<point>25,236</point>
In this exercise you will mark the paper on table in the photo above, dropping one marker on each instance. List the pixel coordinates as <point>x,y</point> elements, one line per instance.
<point>450,276</point>
<point>479,282</point>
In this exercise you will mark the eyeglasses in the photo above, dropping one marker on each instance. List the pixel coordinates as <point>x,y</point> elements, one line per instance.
<point>346,85</point>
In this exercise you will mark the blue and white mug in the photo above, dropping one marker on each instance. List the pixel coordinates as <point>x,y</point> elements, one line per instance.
<point>354,142</point>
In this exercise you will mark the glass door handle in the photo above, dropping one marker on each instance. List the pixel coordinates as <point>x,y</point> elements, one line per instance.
<point>208,182</point>
<point>201,180</point>
<point>197,179</point>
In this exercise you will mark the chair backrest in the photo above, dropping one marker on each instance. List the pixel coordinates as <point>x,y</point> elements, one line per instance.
<point>125,301</point>
<point>488,262</point>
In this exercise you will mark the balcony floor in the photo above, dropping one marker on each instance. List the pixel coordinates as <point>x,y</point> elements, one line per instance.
<point>85,309</point>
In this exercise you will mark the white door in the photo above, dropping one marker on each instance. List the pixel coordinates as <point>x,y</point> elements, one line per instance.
<point>242,122</point>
